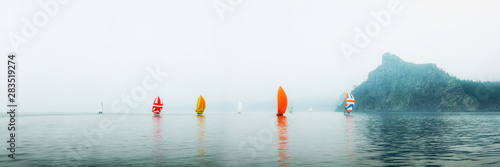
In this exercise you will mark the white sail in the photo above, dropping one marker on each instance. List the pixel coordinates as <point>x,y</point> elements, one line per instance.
<point>310,108</point>
<point>100,108</point>
<point>240,108</point>
<point>349,102</point>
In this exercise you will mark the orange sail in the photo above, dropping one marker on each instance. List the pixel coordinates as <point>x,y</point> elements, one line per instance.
<point>282,102</point>
<point>201,105</point>
<point>349,102</point>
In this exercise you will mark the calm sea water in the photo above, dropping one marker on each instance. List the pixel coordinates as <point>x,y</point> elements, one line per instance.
<point>256,139</point>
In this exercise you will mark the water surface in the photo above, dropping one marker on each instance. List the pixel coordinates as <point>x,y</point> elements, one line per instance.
<point>256,139</point>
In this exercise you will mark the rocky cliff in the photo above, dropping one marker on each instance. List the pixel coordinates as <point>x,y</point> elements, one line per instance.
<point>397,85</point>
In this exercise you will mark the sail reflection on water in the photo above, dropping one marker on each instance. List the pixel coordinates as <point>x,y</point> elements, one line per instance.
<point>201,135</point>
<point>158,139</point>
<point>283,140</point>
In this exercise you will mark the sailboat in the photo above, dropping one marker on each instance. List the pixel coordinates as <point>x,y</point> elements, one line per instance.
<point>310,109</point>
<point>200,107</point>
<point>291,109</point>
<point>240,108</point>
<point>349,103</point>
<point>100,108</point>
<point>282,102</point>
<point>157,106</point>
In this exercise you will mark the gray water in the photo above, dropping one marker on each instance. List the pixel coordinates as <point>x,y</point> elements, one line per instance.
<point>256,139</point>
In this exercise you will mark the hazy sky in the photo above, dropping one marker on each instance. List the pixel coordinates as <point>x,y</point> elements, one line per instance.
<point>92,51</point>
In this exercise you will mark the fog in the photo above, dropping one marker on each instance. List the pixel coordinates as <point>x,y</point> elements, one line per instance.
<point>93,51</point>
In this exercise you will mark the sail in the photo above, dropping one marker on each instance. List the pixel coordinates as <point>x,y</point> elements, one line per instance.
<point>240,107</point>
<point>157,105</point>
<point>349,102</point>
<point>282,101</point>
<point>100,107</point>
<point>200,107</point>
<point>291,109</point>
<point>310,108</point>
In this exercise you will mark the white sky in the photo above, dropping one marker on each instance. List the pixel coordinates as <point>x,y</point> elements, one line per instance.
<point>93,51</point>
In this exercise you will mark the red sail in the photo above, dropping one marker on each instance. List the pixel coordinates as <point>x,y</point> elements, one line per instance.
<point>157,105</point>
<point>282,102</point>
